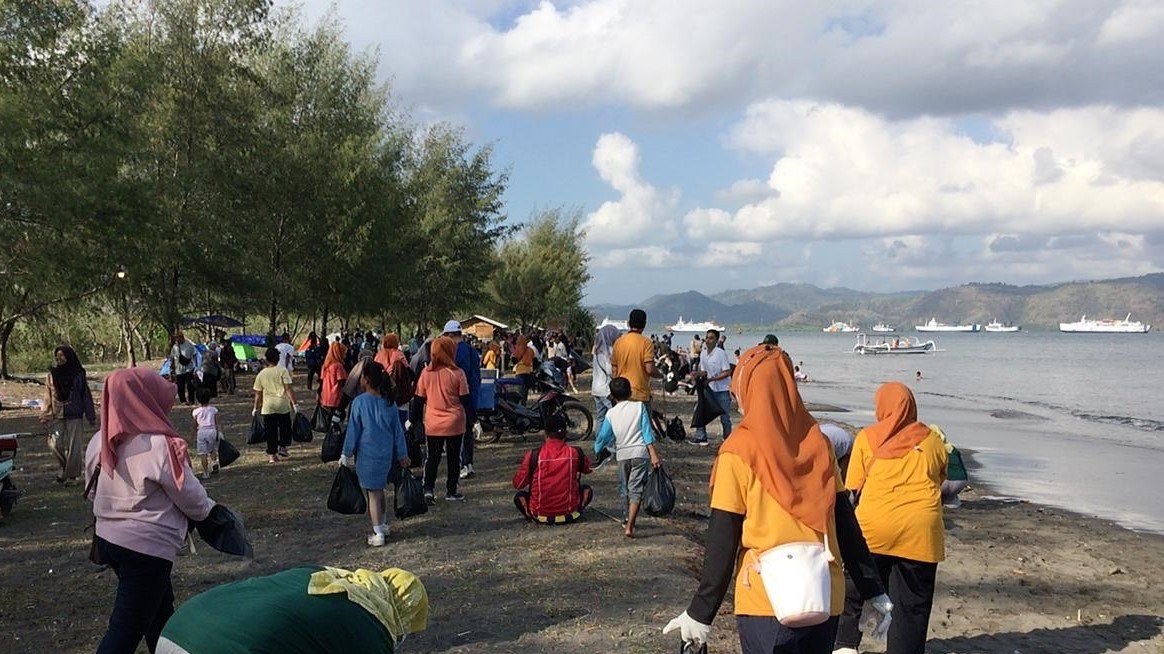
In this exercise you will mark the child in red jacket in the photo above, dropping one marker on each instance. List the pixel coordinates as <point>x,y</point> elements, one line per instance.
<point>549,481</point>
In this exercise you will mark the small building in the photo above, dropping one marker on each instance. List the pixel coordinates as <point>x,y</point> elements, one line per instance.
<point>481,327</point>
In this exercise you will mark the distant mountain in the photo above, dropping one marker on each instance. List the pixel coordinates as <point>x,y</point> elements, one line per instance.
<point>804,305</point>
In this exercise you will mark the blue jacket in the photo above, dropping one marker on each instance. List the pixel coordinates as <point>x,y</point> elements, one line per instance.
<point>469,361</point>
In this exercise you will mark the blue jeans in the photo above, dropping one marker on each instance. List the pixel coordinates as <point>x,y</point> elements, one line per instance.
<point>601,406</point>
<point>725,401</point>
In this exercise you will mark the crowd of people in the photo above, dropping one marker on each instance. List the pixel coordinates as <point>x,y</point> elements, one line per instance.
<point>860,518</point>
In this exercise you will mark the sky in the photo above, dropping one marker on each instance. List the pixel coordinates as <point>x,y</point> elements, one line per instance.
<point>882,146</point>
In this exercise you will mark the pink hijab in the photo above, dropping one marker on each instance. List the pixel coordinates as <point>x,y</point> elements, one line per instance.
<point>134,402</point>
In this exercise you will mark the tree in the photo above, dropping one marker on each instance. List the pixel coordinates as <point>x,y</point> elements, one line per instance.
<point>541,274</point>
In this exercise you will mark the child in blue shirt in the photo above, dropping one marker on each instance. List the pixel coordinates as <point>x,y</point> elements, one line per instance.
<point>627,428</point>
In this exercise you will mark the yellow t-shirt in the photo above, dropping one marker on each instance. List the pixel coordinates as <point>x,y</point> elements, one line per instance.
<point>271,381</point>
<point>632,351</point>
<point>766,525</point>
<point>901,499</point>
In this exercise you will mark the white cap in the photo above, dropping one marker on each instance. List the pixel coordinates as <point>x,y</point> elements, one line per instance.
<point>452,327</point>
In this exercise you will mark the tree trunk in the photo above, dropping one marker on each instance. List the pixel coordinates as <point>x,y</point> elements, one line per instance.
<point>147,348</point>
<point>274,319</point>
<point>127,338</point>
<point>5,335</point>
<point>323,323</point>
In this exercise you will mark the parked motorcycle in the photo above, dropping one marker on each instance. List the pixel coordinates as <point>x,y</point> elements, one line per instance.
<point>8,491</point>
<point>510,414</point>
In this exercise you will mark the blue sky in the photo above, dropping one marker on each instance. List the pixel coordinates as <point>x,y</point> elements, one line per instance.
<point>877,145</point>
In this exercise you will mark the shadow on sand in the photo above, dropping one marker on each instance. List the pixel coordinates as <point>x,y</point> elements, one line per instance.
<point>1079,639</point>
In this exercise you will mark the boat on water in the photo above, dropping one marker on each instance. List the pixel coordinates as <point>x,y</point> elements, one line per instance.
<point>934,326</point>
<point>897,345</point>
<point>882,328</point>
<point>684,326</point>
<point>621,324</point>
<point>1105,326</point>
<point>995,326</point>
<point>841,328</point>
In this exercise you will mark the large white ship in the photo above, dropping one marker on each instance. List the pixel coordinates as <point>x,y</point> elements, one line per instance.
<point>1106,326</point>
<point>995,326</point>
<point>841,328</point>
<point>691,327</point>
<point>934,326</point>
<point>621,324</point>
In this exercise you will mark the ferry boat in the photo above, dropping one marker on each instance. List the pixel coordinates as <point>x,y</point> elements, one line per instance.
<point>995,326</point>
<point>934,326</point>
<point>900,345</point>
<point>621,324</point>
<point>693,327</point>
<point>841,327</point>
<point>882,328</point>
<point>1105,326</point>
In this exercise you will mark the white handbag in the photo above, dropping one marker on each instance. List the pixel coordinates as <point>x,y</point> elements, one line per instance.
<point>798,583</point>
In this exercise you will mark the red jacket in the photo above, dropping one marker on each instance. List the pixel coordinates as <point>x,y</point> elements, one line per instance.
<point>554,489</point>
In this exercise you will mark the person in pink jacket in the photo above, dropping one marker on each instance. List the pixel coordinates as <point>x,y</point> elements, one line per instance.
<point>144,497</point>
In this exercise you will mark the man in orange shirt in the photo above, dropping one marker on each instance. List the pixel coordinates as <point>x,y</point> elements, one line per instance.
<point>633,357</point>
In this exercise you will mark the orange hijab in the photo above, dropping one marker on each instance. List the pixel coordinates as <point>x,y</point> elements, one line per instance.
<point>335,354</point>
<point>897,430</point>
<point>779,440</point>
<point>390,352</point>
<point>444,353</point>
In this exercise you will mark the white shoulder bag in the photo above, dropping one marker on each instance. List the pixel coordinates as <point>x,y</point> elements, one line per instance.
<point>797,581</point>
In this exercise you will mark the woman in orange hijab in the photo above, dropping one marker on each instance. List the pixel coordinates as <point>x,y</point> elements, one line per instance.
<point>897,467</point>
<point>774,483</point>
<point>492,359</point>
<point>332,377</point>
<point>523,363</point>
<point>445,390</point>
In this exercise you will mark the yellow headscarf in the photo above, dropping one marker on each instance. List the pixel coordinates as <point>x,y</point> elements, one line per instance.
<point>395,597</point>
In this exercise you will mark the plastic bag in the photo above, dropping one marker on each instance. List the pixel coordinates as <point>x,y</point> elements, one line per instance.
<point>409,496</point>
<point>227,453</point>
<point>320,419</point>
<point>659,495</point>
<point>346,496</point>
<point>258,434</point>
<point>301,429</point>
<point>225,532</point>
<point>675,429</point>
<point>707,408</point>
<point>333,444</point>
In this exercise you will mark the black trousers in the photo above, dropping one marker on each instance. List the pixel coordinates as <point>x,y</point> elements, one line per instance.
<point>469,440</point>
<point>910,586</point>
<point>186,386</point>
<point>765,635</point>
<point>312,373</point>
<point>211,382</point>
<point>277,429</point>
<point>437,446</point>
<point>144,602</point>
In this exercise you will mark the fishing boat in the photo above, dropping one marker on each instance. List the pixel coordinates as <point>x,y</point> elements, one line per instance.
<point>882,328</point>
<point>620,324</point>
<point>683,326</point>
<point>1105,326</point>
<point>934,326</point>
<point>841,328</point>
<point>995,326</point>
<point>900,345</point>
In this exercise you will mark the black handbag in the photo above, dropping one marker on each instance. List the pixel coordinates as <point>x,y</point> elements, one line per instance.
<point>346,496</point>
<point>333,444</point>
<point>408,499</point>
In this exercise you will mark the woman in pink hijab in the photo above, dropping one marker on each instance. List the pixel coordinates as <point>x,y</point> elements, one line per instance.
<point>145,495</point>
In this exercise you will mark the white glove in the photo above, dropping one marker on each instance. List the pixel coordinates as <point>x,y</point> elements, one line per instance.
<point>690,629</point>
<point>876,617</point>
<point>254,412</point>
<point>335,419</point>
<point>345,460</point>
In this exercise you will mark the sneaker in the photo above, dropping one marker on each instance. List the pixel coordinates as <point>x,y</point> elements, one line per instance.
<point>428,498</point>
<point>283,452</point>
<point>376,540</point>
<point>455,497</point>
<point>467,472</point>
<point>701,442</point>
<point>214,469</point>
<point>272,459</point>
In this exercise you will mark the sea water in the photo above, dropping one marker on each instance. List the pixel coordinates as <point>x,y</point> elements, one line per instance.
<point>1070,420</point>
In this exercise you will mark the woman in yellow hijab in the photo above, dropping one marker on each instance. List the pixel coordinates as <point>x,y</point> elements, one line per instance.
<point>775,483</point>
<point>897,468</point>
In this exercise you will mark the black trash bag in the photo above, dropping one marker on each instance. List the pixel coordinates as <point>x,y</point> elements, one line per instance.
<point>415,450</point>
<point>675,429</point>
<point>578,362</point>
<point>659,495</point>
<point>227,453</point>
<point>707,409</point>
<point>333,444</point>
<point>225,532</point>
<point>320,419</point>
<point>301,430</point>
<point>258,434</point>
<point>409,496</point>
<point>346,496</point>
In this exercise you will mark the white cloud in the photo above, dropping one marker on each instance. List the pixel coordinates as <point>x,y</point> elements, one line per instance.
<point>651,256</point>
<point>726,255</point>
<point>642,212</point>
<point>746,191</point>
<point>845,173</point>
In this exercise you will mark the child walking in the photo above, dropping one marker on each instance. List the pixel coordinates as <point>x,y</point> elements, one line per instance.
<point>374,445</point>
<point>627,428</point>
<point>206,436</point>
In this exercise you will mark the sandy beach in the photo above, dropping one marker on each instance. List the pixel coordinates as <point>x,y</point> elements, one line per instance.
<point>1019,577</point>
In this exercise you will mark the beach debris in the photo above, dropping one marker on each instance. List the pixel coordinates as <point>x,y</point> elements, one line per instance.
<point>1117,571</point>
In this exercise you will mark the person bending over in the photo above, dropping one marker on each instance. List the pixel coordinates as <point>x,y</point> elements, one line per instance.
<point>549,480</point>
